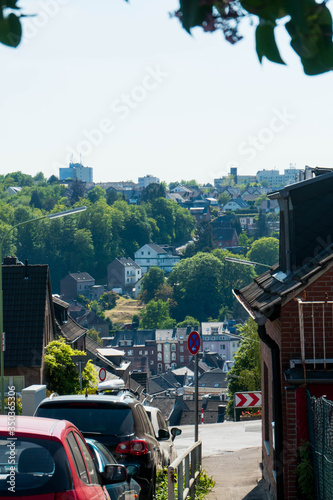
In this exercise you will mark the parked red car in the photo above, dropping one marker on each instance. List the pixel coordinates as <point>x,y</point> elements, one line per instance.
<point>46,459</point>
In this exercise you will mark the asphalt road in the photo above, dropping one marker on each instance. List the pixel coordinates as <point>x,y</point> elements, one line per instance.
<point>221,438</point>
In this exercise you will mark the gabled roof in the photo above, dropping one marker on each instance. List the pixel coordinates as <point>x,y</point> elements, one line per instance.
<point>71,330</point>
<point>213,378</point>
<point>156,248</point>
<point>26,291</point>
<point>128,262</point>
<point>79,277</point>
<point>225,234</point>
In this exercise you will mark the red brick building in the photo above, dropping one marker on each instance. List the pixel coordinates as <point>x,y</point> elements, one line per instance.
<point>292,304</point>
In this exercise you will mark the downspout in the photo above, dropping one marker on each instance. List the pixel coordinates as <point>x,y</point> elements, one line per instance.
<point>260,319</point>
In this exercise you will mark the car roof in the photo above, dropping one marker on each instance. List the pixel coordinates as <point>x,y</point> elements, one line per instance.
<point>125,398</point>
<point>49,427</point>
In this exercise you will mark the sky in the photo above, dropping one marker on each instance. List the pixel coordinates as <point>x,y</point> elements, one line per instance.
<point>124,89</point>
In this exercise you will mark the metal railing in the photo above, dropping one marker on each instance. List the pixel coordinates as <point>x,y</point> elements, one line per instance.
<point>188,469</point>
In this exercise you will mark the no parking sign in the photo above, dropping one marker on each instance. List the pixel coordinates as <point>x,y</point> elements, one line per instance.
<point>193,342</point>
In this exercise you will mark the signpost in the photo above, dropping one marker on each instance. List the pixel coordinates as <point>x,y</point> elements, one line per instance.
<point>102,374</point>
<point>80,360</point>
<point>193,344</point>
<point>248,399</point>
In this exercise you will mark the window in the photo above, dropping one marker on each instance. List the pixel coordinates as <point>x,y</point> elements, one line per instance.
<point>130,352</point>
<point>181,348</point>
<point>159,356</point>
<point>173,347</point>
<point>159,347</point>
<point>173,356</point>
<point>77,458</point>
<point>146,353</point>
<point>159,367</point>
<point>140,353</point>
<point>151,362</point>
<point>181,359</point>
<point>216,385</point>
<point>89,460</point>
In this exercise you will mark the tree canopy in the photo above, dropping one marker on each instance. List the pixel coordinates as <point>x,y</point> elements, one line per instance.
<point>245,375</point>
<point>264,251</point>
<point>307,22</point>
<point>62,375</point>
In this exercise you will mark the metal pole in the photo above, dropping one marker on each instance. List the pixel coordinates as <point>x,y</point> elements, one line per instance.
<point>80,376</point>
<point>196,410</point>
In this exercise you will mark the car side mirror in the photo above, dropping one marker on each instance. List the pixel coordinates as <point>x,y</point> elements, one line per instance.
<point>114,473</point>
<point>163,434</point>
<point>175,431</point>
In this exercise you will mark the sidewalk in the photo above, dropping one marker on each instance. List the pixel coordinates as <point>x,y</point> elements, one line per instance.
<point>237,475</point>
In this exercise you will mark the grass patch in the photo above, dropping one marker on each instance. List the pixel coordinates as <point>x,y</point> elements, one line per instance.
<point>124,310</point>
<point>203,486</point>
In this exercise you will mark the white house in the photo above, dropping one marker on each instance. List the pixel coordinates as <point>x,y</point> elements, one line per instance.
<point>217,338</point>
<point>152,255</point>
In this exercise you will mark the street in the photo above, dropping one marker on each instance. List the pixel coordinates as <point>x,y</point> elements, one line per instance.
<point>221,438</point>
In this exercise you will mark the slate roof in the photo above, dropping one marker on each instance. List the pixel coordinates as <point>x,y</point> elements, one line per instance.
<point>269,291</point>
<point>224,234</point>
<point>26,291</point>
<point>212,378</point>
<point>128,262</point>
<point>156,248</point>
<point>71,330</point>
<point>79,277</point>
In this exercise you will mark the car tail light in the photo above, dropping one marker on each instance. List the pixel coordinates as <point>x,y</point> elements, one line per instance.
<point>134,447</point>
<point>66,495</point>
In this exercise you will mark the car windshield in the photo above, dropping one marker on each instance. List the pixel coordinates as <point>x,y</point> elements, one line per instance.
<point>92,418</point>
<point>32,467</point>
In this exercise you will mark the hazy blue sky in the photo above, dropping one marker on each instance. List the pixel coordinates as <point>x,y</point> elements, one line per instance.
<point>124,86</point>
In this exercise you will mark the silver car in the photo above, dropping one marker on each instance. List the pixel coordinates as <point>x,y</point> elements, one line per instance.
<point>163,435</point>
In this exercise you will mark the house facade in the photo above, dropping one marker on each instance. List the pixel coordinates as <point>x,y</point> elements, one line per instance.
<point>75,284</point>
<point>217,338</point>
<point>126,274</point>
<point>157,351</point>
<point>152,255</point>
<point>292,304</point>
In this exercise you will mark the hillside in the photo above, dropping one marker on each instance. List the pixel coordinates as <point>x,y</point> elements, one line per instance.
<point>124,310</point>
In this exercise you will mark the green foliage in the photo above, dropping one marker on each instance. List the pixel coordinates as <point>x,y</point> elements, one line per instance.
<point>224,198</point>
<point>93,334</point>
<point>188,321</point>
<point>61,373</point>
<point>245,375</point>
<point>156,315</point>
<point>107,301</point>
<point>197,283</point>
<point>308,23</point>
<point>203,486</point>
<point>264,251</point>
<point>151,281</point>
<point>304,471</point>
<point>152,192</point>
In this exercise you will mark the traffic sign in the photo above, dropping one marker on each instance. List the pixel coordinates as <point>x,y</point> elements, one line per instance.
<point>102,374</point>
<point>247,399</point>
<point>193,342</point>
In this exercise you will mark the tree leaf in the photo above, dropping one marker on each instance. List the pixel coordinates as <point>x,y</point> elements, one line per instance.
<point>10,30</point>
<point>265,43</point>
<point>194,13</point>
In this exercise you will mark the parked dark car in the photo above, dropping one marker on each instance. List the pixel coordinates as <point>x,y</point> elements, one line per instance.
<point>163,435</point>
<point>45,458</point>
<point>120,423</point>
<point>123,486</point>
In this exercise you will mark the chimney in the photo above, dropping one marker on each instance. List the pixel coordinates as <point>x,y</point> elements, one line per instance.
<point>306,220</point>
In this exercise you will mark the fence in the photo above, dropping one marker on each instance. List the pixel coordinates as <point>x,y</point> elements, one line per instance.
<point>321,438</point>
<point>188,467</point>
